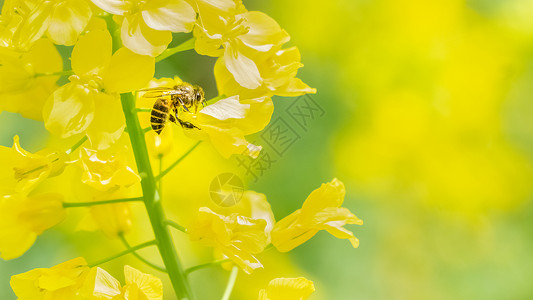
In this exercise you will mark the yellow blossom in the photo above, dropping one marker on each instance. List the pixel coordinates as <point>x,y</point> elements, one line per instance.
<point>224,123</point>
<point>287,289</point>
<point>21,171</point>
<point>236,237</point>
<point>23,22</point>
<point>90,102</point>
<point>23,218</point>
<point>21,89</point>
<point>227,122</point>
<point>60,282</point>
<point>139,286</point>
<point>242,36</point>
<point>253,205</point>
<point>277,69</point>
<point>106,171</point>
<point>320,211</point>
<point>147,26</point>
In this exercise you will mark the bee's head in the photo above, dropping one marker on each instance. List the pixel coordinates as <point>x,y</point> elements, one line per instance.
<point>199,94</point>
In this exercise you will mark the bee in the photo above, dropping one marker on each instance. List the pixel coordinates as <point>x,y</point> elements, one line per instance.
<point>170,100</point>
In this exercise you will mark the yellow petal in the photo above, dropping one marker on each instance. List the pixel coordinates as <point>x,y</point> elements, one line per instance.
<point>343,233</point>
<point>108,123</point>
<point>23,285</point>
<point>15,240</point>
<point>34,25</point>
<point>128,71</point>
<point>243,69</point>
<point>295,87</point>
<point>264,32</point>
<point>150,286</point>
<point>69,110</point>
<point>68,21</point>
<point>100,285</point>
<point>141,39</point>
<point>171,15</point>
<point>92,52</point>
<point>329,194</point>
<point>113,219</point>
<point>42,211</point>
<point>104,170</point>
<point>116,7</point>
<point>287,289</point>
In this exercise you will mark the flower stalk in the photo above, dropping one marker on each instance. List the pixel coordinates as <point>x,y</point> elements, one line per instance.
<point>152,201</point>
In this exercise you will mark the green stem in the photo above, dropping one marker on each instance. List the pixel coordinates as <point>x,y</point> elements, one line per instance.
<point>187,45</point>
<point>84,204</point>
<point>144,109</point>
<point>176,225</point>
<point>60,73</point>
<point>144,260</point>
<point>152,201</point>
<point>231,283</point>
<point>77,145</point>
<point>128,251</point>
<point>206,265</point>
<point>174,164</point>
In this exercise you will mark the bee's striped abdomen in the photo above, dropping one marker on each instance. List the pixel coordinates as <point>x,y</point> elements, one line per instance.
<point>159,115</point>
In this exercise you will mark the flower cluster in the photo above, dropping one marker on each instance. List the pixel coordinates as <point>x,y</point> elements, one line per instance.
<point>106,102</point>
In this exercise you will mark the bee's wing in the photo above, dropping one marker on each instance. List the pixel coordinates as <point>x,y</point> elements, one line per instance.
<point>160,91</point>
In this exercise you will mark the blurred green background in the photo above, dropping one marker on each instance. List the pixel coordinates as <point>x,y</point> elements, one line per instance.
<point>427,120</point>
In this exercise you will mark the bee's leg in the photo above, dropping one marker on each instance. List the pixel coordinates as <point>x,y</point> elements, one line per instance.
<point>183,105</point>
<point>171,118</point>
<point>187,125</point>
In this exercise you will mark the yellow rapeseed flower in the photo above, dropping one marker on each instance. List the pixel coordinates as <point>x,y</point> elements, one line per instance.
<point>227,122</point>
<point>105,170</point>
<point>23,218</point>
<point>224,123</point>
<point>90,102</point>
<point>277,69</point>
<point>253,205</point>
<point>242,34</point>
<point>235,237</point>
<point>320,211</point>
<point>23,22</point>
<point>287,289</point>
<point>21,171</point>
<point>139,286</point>
<point>60,282</point>
<point>147,26</point>
<point>21,89</point>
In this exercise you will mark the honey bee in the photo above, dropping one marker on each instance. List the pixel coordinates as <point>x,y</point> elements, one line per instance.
<point>170,100</point>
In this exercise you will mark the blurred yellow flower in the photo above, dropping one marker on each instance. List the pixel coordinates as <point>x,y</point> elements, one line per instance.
<point>147,26</point>
<point>227,122</point>
<point>277,69</point>
<point>21,171</point>
<point>287,289</point>
<point>23,218</point>
<point>60,282</point>
<point>90,102</point>
<point>23,22</point>
<point>105,170</point>
<point>22,89</point>
<point>320,211</point>
<point>236,237</point>
<point>139,286</point>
